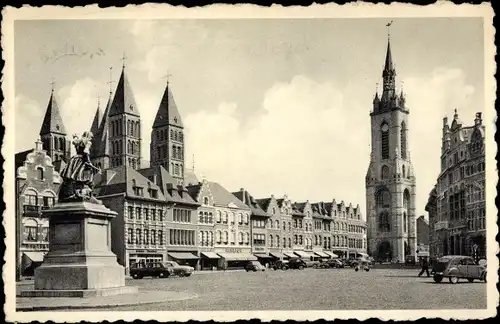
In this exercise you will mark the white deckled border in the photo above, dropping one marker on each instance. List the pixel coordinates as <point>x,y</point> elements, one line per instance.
<point>156,11</point>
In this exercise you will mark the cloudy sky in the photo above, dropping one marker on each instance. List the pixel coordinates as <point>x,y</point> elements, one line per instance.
<point>275,106</point>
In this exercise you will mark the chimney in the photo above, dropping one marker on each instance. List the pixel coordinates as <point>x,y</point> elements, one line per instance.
<point>478,120</point>
<point>243,198</point>
<point>155,178</point>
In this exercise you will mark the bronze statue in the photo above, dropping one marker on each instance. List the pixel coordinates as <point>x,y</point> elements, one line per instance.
<point>78,174</point>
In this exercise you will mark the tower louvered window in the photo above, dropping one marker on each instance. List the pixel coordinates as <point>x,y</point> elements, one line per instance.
<point>403,140</point>
<point>385,142</point>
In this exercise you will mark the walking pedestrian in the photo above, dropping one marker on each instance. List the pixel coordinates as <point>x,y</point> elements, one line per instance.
<point>425,267</point>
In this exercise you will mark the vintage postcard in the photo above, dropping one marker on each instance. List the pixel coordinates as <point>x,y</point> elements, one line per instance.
<point>237,162</point>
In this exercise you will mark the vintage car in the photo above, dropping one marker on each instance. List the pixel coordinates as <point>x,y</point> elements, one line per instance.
<point>297,263</point>
<point>455,267</point>
<point>160,269</point>
<point>280,264</point>
<point>254,266</point>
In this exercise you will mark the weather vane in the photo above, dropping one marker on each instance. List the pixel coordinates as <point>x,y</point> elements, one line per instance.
<point>389,29</point>
<point>110,78</point>
<point>123,59</point>
<point>167,76</point>
<point>52,84</point>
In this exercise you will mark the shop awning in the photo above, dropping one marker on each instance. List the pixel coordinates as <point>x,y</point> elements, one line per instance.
<point>277,255</point>
<point>303,254</point>
<point>238,256</point>
<point>183,255</point>
<point>210,255</point>
<point>290,254</point>
<point>263,255</point>
<point>322,254</point>
<point>32,256</point>
<point>333,255</point>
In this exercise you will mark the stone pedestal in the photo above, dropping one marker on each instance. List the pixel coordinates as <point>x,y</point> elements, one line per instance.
<point>79,262</point>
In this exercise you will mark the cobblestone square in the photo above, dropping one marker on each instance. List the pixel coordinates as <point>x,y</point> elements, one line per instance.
<point>310,289</point>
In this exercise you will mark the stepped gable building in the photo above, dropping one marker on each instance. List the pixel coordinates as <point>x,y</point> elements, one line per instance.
<point>167,137</point>
<point>181,219</point>
<point>259,223</point>
<point>285,206</point>
<point>298,228</point>
<point>274,240</point>
<point>322,226</point>
<point>390,180</point>
<point>304,211</point>
<point>456,206</point>
<point>201,193</point>
<point>53,133</point>
<point>139,231</point>
<point>37,184</point>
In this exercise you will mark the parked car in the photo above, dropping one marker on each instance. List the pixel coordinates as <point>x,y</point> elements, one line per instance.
<point>335,263</point>
<point>297,263</point>
<point>353,263</point>
<point>254,266</point>
<point>153,269</point>
<point>455,267</point>
<point>410,260</point>
<point>311,264</point>
<point>280,264</point>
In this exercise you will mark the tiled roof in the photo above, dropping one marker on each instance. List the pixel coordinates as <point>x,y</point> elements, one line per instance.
<point>264,203</point>
<point>222,197</point>
<point>280,202</point>
<point>124,101</point>
<point>52,122</point>
<point>194,190</point>
<point>20,158</point>
<point>173,192</point>
<point>247,199</point>
<point>168,113</point>
<point>123,179</point>
<point>190,177</point>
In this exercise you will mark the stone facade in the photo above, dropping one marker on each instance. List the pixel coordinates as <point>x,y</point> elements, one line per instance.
<point>390,180</point>
<point>456,205</point>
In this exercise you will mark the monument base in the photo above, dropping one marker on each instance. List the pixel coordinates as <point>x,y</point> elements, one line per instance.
<point>80,293</point>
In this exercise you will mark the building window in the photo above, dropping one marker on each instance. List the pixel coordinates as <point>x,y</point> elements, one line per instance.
<point>153,237</point>
<point>146,214</point>
<point>259,239</point>
<point>138,236</point>
<point>131,212</point>
<point>146,236</point>
<point>40,173</point>
<point>270,241</point>
<point>160,215</point>
<point>48,201</point>
<point>30,233</point>
<point>45,234</point>
<point>205,200</point>
<point>160,237</point>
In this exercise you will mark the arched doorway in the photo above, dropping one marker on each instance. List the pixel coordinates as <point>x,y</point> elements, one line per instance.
<point>384,251</point>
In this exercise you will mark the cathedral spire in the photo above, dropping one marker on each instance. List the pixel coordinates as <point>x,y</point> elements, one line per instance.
<point>52,122</point>
<point>97,118</point>
<point>124,101</point>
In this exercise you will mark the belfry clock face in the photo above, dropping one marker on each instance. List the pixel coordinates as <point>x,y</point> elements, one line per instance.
<point>385,128</point>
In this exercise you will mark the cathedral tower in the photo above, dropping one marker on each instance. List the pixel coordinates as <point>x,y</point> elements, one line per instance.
<point>53,133</point>
<point>390,180</point>
<point>100,149</point>
<point>124,126</point>
<point>167,137</point>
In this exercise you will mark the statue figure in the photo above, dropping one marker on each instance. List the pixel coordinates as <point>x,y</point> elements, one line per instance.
<point>78,174</point>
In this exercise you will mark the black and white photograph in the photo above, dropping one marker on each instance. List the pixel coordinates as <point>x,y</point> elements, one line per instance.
<point>237,162</point>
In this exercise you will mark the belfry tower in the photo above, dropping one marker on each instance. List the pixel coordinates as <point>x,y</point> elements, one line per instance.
<point>390,180</point>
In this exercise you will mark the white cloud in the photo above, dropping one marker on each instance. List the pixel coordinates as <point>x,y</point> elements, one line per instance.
<point>312,144</point>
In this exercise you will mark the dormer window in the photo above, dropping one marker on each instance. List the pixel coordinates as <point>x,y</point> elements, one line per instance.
<point>205,200</point>
<point>138,191</point>
<point>153,193</point>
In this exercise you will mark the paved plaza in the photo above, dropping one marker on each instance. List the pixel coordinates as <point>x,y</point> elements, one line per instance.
<point>311,289</point>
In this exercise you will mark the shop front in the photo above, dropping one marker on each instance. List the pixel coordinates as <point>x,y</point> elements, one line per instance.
<point>277,256</point>
<point>289,255</point>
<point>209,260</point>
<point>30,261</point>
<point>331,254</point>
<point>234,258</point>
<point>322,255</point>
<point>188,258</point>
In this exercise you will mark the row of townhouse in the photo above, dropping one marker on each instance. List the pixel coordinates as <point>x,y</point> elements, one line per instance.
<point>201,224</point>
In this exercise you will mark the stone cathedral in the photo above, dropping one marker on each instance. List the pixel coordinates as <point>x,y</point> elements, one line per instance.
<point>390,180</point>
